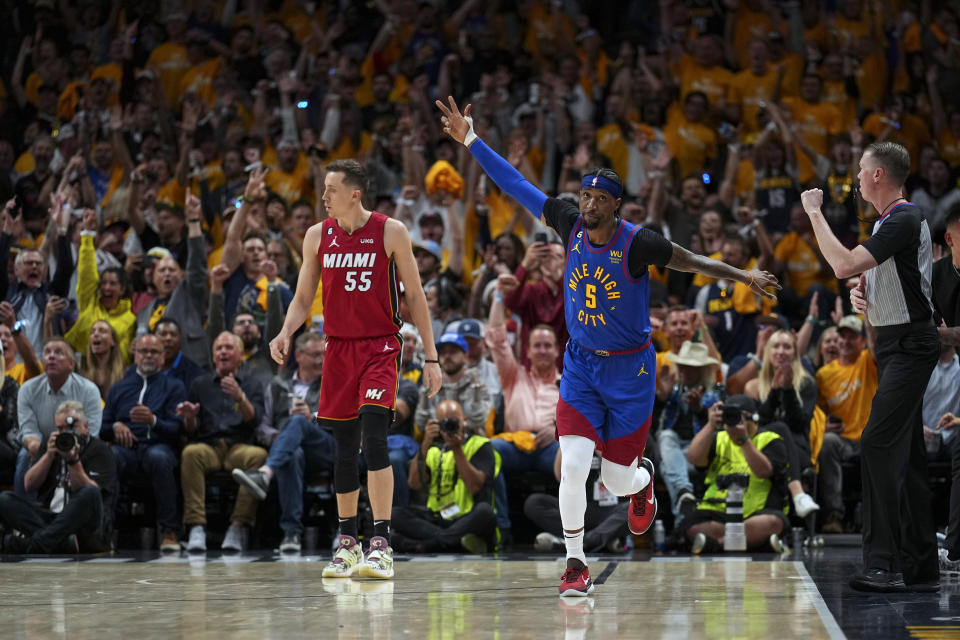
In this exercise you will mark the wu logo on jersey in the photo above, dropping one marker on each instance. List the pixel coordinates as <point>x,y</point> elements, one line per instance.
<point>374,394</point>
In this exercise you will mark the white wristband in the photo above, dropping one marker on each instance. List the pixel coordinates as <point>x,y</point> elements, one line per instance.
<point>471,135</point>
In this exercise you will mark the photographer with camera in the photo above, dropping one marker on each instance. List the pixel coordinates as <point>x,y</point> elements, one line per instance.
<point>75,478</point>
<point>731,443</point>
<point>457,470</point>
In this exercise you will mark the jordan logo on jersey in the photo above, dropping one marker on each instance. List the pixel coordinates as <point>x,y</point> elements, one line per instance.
<point>643,370</point>
<point>333,242</point>
<point>386,346</point>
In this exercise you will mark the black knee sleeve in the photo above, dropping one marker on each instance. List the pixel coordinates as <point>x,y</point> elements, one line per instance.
<point>346,475</point>
<point>374,423</point>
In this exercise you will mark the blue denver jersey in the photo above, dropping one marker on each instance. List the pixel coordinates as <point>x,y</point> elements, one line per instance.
<point>605,308</point>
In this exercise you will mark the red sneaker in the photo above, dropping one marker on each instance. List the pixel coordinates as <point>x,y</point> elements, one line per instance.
<point>643,505</point>
<point>576,582</point>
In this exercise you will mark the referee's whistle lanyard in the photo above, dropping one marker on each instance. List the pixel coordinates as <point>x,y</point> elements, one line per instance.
<point>885,213</point>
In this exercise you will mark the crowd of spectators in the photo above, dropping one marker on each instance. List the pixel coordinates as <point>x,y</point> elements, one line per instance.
<point>161,163</point>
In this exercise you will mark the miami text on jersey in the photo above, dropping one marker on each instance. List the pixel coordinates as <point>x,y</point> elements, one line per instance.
<point>348,260</point>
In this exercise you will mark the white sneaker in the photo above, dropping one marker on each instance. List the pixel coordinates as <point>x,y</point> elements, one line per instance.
<point>198,539</point>
<point>290,543</point>
<point>546,541</point>
<point>379,560</point>
<point>946,564</point>
<point>777,544</point>
<point>346,561</point>
<point>804,504</point>
<point>235,540</point>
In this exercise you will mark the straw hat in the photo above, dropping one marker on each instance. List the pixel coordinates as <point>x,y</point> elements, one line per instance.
<point>693,354</point>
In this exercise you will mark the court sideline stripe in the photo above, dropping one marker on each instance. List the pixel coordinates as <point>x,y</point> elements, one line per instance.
<point>833,629</point>
<point>600,579</point>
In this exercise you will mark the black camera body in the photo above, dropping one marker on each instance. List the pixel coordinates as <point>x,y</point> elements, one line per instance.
<point>731,416</point>
<point>450,426</point>
<point>65,441</point>
<point>727,480</point>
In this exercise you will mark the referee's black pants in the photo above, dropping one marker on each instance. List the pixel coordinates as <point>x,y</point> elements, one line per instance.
<point>898,527</point>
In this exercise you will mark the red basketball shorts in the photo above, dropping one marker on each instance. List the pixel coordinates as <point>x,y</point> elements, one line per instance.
<point>359,372</point>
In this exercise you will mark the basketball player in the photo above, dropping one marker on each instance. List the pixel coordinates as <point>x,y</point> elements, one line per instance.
<point>894,265</point>
<point>358,255</point>
<point>609,370</point>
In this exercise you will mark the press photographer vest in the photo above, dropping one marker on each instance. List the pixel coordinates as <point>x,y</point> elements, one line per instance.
<point>446,485</point>
<point>729,459</point>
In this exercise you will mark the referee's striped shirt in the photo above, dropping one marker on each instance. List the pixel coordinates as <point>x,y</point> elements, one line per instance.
<point>899,289</point>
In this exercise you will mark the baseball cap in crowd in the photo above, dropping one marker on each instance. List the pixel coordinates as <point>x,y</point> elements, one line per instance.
<point>65,131</point>
<point>742,402</point>
<point>430,247</point>
<point>455,339</point>
<point>469,328</point>
<point>853,323</point>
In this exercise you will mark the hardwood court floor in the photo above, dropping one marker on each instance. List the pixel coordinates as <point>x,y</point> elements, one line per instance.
<point>441,598</point>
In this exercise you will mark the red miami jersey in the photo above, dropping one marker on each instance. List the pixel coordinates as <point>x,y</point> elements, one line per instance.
<point>361,290</point>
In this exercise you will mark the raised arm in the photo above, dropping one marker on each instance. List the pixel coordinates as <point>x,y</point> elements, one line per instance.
<point>689,262</point>
<point>460,127</point>
<point>845,262</point>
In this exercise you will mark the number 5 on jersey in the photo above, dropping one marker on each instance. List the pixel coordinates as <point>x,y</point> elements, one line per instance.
<point>352,283</point>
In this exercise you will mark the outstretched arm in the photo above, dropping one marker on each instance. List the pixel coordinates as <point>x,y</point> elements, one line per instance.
<point>460,127</point>
<point>757,280</point>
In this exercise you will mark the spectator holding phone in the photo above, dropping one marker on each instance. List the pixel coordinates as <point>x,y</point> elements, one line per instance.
<point>847,386</point>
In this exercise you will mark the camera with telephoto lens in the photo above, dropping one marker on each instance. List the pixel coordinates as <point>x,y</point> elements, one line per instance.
<point>727,480</point>
<point>450,426</point>
<point>65,442</point>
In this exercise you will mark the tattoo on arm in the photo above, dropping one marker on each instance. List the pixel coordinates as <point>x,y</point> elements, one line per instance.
<point>684,260</point>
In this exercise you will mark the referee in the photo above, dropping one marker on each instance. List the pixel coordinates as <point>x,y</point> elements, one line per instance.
<point>895,263</point>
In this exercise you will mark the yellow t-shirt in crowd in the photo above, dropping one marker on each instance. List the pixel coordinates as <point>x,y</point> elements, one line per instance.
<point>747,26</point>
<point>872,77</point>
<point>913,133</point>
<point>199,80</point>
<point>815,123</point>
<point>792,73</point>
<point>611,143</point>
<point>949,147</point>
<point>171,59</point>
<point>693,144</point>
<point>801,263</point>
<point>847,391</point>
<point>836,94</point>
<point>748,90</point>
<point>290,186</point>
<point>714,83</point>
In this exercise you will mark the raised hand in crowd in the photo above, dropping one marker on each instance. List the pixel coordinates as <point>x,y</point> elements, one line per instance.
<point>218,275</point>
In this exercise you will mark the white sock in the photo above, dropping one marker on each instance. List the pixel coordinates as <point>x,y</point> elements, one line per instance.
<point>576,453</point>
<point>574,544</point>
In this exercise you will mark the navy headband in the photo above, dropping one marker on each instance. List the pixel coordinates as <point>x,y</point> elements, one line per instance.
<point>599,182</point>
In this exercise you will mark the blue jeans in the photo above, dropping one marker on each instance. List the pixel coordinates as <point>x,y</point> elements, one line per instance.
<point>513,460</point>
<point>401,449</point>
<point>159,462</point>
<point>23,465</point>
<point>301,443</point>
<point>673,466</point>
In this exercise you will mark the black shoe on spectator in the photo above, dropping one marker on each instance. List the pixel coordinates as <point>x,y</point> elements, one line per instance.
<point>255,482</point>
<point>879,580</point>
<point>16,544</point>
